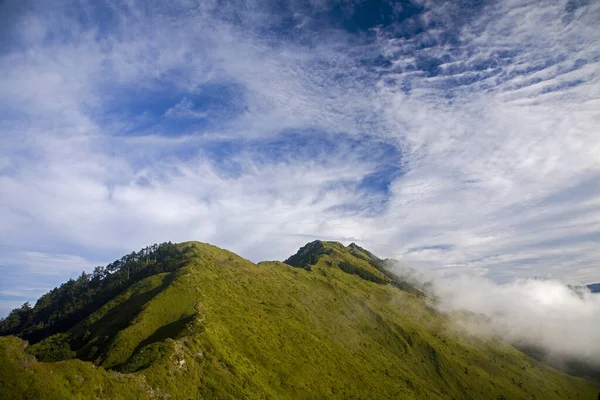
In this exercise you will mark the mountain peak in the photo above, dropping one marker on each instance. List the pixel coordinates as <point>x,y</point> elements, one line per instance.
<point>307,255</point>
<point>352,259</point>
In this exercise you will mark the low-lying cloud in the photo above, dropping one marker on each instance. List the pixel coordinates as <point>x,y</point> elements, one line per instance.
<point>547,318</point>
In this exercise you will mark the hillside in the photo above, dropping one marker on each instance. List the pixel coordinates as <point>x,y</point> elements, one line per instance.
<point>195,321</point>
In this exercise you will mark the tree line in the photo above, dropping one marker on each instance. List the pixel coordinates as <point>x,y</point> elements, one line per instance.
<point>63,307</point>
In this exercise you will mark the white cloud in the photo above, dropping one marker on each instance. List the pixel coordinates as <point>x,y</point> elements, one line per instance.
<point>185,109</point>
<point>497,172</point>
<point>502,174</point>
<point>540,313</point>
<point>35,262</point>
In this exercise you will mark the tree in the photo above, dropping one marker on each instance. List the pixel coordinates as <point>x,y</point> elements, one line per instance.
<point>99,273</point>
<point>63,307</point>
<point>16,319</point>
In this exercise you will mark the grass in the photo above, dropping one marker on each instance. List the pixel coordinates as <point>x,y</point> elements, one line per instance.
<point>21,377</point>
<point>223,327</point>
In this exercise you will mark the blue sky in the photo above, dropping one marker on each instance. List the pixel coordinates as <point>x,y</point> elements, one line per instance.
<point>461,137</point>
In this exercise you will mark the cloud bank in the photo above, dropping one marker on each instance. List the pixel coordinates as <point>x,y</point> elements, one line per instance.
<point>533,314</point>
<point>553,322</point>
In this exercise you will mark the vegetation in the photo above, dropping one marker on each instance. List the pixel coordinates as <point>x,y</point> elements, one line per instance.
<point>61,308</point>
<point>353,260</point>
<point>210,324</point>
<point>21,377</point>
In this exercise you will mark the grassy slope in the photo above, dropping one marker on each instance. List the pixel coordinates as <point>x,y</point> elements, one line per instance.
<point>224,327</point>
<point>21,377</point>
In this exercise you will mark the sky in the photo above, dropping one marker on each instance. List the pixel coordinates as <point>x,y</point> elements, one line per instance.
<point>461,137</point>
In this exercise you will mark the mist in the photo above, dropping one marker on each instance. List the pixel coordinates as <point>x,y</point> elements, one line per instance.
<point>546,318</point>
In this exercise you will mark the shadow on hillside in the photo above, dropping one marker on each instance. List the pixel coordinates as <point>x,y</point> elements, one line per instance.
<point>146,353</point>
<point>92,341</point>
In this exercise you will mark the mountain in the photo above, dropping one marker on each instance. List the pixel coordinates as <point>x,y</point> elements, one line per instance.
<point>594,288</point>
<point>191,320</point>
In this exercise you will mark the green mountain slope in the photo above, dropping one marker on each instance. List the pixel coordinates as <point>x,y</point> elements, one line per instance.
<point>332,323</point>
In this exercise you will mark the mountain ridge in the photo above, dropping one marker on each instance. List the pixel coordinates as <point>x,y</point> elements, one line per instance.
<point>202,322</point>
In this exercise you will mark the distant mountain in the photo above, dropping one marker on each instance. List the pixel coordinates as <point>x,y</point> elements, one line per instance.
<point>191,320</point>
<point>594,288</point>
